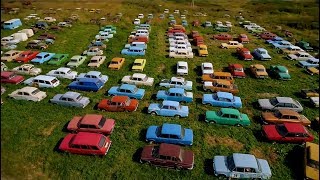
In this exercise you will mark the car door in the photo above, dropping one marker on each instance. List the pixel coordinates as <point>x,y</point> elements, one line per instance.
<point>237,172</point>
<point>112,106</point>
<point>165,111</point>
<point>172,84</point>
<point>173,97</point>
<point>225,119</point>
<point>222,102</point>
<point>280,106</point>
<point>72,102</point>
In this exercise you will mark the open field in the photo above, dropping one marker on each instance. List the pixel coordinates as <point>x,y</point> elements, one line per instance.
<point>30,132</point>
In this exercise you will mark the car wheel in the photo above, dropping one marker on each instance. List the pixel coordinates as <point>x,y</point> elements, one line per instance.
<point>178,168</point>
<point>222,176</point>
<point>238,125</point>
<point>151,142</point>
<point>212,122</point>
<point>177,116</point>
<point>153,113</point>
<point>112,95</point>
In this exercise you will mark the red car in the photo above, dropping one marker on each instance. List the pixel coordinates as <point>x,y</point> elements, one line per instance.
<point>26,56</point>
<point>198,40</point>
<point>244,54</point>
<point>176,31</point>
<point>86,143</point>
<point>243,38</point>
<point>119,103</point>
<point>195,23</point>
<point>91,123</point>
<point>222,36</point>
<point>267,35</point>
<point>194,34</point>
<point>11,77</point>
<point>168,155</point>
<point>237,70</point>
<point>46,36</point>
<point>287,132</point>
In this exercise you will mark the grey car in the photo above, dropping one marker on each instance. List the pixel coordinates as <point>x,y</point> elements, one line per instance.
<point>70,99</point>
<point>280,103</point>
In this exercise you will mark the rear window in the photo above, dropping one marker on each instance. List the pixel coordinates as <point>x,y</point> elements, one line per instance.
<point>35,91</point>
<point>54,81</point>
<point>102,122</point>
<point>102,142</point>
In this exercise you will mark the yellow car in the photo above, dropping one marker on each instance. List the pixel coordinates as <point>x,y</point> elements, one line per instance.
<point>116,63</point>
<point>311,161</point>
<point>139,64</point>
<point>202,50</point>
<point>231,45</point>
<point>259,71</point>
<point>313,70</point>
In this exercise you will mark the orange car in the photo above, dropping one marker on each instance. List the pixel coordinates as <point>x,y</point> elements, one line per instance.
<point>116,63</point>
<point>284,115</point>
<point>218,75</point>
<point>259,71</point>
<point>220,85</point>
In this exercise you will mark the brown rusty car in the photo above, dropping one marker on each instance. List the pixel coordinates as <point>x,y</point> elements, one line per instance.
<point>218,75</point>
<point>220,85</point>
<point>284,116</point>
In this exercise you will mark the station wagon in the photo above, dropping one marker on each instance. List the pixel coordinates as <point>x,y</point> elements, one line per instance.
<point>220,85</point>
<point>63,72</point>
<point>284,115</point>
<point>280,103</point>
<point>42,81</point>
<point>177,82</point>
<point>218,76</point>
<point>134,51</point>
<point>86,84</point>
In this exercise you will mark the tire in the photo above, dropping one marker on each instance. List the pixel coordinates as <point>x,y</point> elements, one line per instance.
<point>213,122</point>
<point>238,125</point>
<point>153,113</point>
<point>112,95</point>
<point>177,116</point>
<point>222,176</point>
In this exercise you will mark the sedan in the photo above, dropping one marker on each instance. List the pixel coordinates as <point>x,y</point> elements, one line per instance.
<point>222,99</point>
<point>29,94</point>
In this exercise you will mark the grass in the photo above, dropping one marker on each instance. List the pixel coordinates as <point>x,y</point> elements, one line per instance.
<point>30,132</point>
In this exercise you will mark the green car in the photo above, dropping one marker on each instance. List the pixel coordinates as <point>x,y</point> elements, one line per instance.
<point>58,59</point>
<point>280,72</point>
<point>76,61</point>
<point>113,28</point>
<point>222,28</point>
<point>256,31</point>
<point>227,116</point>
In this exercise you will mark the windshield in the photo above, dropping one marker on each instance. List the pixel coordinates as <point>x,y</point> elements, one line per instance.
<point>114,62</point>
<point>79,97</point>
<point>277,114</point>
<point>54,80</point>
<point>137,64</point>
<point>135,89</point>
<point>263,52</point>
<point>7,55</point>
<point>73,60</point>
<point>35,91</point>
<point>246,52</point>
<point>182,67</point>
<point>207,68</point>
<point>39,57</point>
<point>273,101</point>
<point>260,70</point>
<point>238,69</point>
<point>230,163</point>
<point>102,122</point>
<point>102,141</point>
<point>55,59</point>
<point>94,61</point>
<point>219,113</point>
<point>282,130</point>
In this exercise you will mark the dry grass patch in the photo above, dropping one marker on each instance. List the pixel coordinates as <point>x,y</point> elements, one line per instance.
<point>161,68</point>
<point>268,154</point>
<point>47,131</point>
<point>226,141</point>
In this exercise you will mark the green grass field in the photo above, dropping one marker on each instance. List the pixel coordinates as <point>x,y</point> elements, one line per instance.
<point>30,132</point>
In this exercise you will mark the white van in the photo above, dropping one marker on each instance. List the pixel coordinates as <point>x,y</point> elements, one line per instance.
<point>20,36</point>
<point>29,32</point>
<point>42,81</point>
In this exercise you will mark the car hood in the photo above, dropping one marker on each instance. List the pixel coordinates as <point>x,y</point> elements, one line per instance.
<point>206,71</point>
<point>271,132</point>
<point>207,97</point>
<point>188,157</point>
<point>153,107</point>
<point>114,65</point>
<point>284,75</point>
<point>189,94</point>
<point>146,152</point>
<point>109,125</point>
<point>265,168</point>
<point>268,116</point>
<point>292,56</point>
<point>220,164</point>
<point>161,94</point>
<point>151,132</point>
<point>238,73</point>
<point>188,135</point>
<point>264,73</point>
<point>265,104</point>
<point>136,67</point>
<point>303,63</point>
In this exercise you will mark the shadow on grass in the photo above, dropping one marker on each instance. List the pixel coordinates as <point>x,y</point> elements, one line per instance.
<point>201,117</point>
<point>199,79</point>
<point>154,96</point>
<point>248,73</point>
<point>294,161</point>
<point>197,69</point>
<point>64,128</point>
<point>95,107</point>
<point>145,110</point>
<point>142,135</point>
<point>198,100</point>
<point>298,94</point>
<point>136,156</point>
<point>255,105</point>
<point>259,136</point>
<point>56,147</point>
<point>208,167</point>
<point>200,88</point>
<point>234,54</point>
<point>174,69</point>
<point>257,119</point>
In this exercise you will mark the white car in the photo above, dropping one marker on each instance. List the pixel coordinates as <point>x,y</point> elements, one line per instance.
<point>104,35</point>
<point>300,56</point>
<point>185,42</point>
<point>166,11</point>
<point>219,23</point>
<point>172,35</point>
<point>140,16</point>
<point>228,24</point>
<point>64,24</point>
<point>182,68</point>
<point>94,51</point>
<point>181,53</point>
<point>28,69</point>
<point>207,68</point>
<point>10,55</point>
<point>96,61</point>
<point>9,40</point>
<point>28,93</point>
<point>314,101</point>
<point>63,72</point>
<point>138,79</point>
<point>177,38</point>
<point>180,47</point>
<point>183,16</point>
<point>50,19</point>
<point>176,11</point>
<point>136,21</point>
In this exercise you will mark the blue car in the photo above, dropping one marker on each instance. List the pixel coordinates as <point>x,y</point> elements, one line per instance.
<point>86,84</point>
<point>312,62</point>
<point>222,99</point>
<point>134,51</point>
<point>70,98</point>
<point>177,82</point>
<point>170,133</point>
<point>281,44</point>
<point>175,94</point>
<point>168,108</point>
<point>184,23</point>
<point>261,54</point>
<point>42,57</point>
<point>241,166</point>
<point>94,75</point>
<point>127,90</point>
<point>276,39</point>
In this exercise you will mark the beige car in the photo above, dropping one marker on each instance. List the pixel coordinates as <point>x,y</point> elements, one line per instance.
<point>50,19</point>
<point>10,55</point>
<point>138,79</point>
<point>96,61</point>
<point>290,50</point>
<point>259,71</point>
<point>220,85</point>
<point>283,116</point>
<point>29,94</point>
<point>231,45</point>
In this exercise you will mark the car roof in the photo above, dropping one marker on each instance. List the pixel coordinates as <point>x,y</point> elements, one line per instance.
<point>44,77</point>
<point>139,75</point>
<point>243,35</point>
<point>183,63</point>
<point>71,94</point>
<point>119,99</point>
<point>207,64</point>
<point>284,99</point>
<point>59,55</point>
<point>170,103</point>
<point>259,66</point>
<point>237,65</point>
<point>116,59</point>
<point>221,73</point>
<point>139,60</point>
<point>174,129</point>
<point>88,80</point>
<point>95,57</point>
<point>136,48</point>
<point>180,79</point>
<point>6,73</point>
<point>294,127</point>
<point>230,111</point>
<point>245,160</point>
<point>202,46</point>
<point>224,95</point>
<point>127,86</point>
<point>176,90</point>
<point>169,150</point>
<point>222,81</point>
<point>261,49</point>
<point>95,73</point>
<point>42,53</point>
<point>233,41</point>
<point>288,112</point>
<point>28,89</point>
<point>86,138</point>
<point>314,151</point>
<point>63,69</point>
<point>282,68</point>
<point>76,57</point>
<point>91,119</point>
<point>27,65</point>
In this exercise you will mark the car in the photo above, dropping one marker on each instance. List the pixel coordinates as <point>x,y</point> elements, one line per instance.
<point>50,19</point>
<point>314,101</point>
<point>181,42</point>
<point>227,116</point>
<point>311,62</point>
<point>138,79</point>
<point>97,44</point>
<point>284,116</point>
<point>311,161</point>
<point>42,57</point>
<point>306,93</point>
<point>175,94</point>
<point>29,94</point>
<point>300,56</point>
<point>304,45</point>
<point>42,81</point>
<point>267,35</point>
<point>207,68</point>
<point>8,46</point>
<point>184,23</point>
<point>76,61</point>
<point>313,70</point>
<point>231,44</point>
<point>170,133</point>
<point>244,54</point>
<point>178,82</point>
<point>86,84</point>
<point>168,155</point>
<point>139,64</point>
<point>202,50</point>
<point>10,55</point>
<point>93,51</point>
<point>280,44</point>
<point>222,28</point>
<point>116,63</point>
<point>243,38</point>
<point>290,50</point>
<point>179,47</point>
<point>241,166</point>
<point>140,16</point>
<point>58,59</point>
<point>274,40</point>
<point>72,99</point>
<point>280,103</point>
<point>181,53</point>
<point>127,90</point>
<point>280,72</point>
<point>161,16</point>
<point>37,44</point>
<point>28,69</point>
<point>86,143</point>
<point>4,67</point>
<point>168,108</point>
<point>222,99</point>
<point>26,56</point>
<point>63,72</point>
<point>9,40</point>
<point>182,68</point>
<point>118,103</point>
<point>104,35</point>
<point>93,75</point>
<point>134,51</point>
<point>261,54</point>
<point>64,24</point>
<point>222,36</point>
<point>96,61</point>
<point>46,36</point>
<point>259,71</point>
<point>217,75</point>
<point>287,132</point>
<point>220,85</point>
<point>11,77</point>
<point>94,123</point>
<point>237,70</point>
